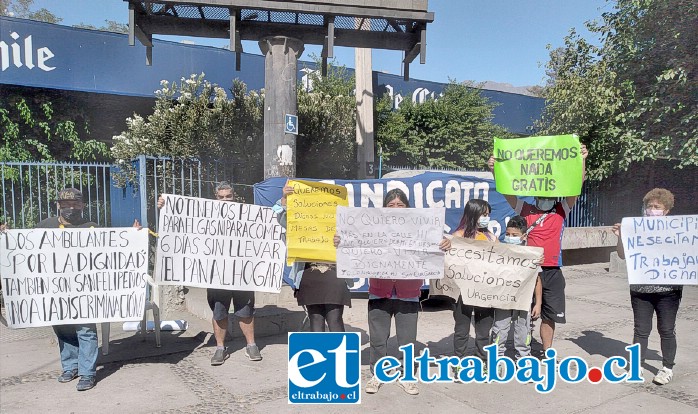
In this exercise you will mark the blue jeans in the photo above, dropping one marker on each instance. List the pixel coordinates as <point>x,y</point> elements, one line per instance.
<point>666,306</point>
<point>79,348</point>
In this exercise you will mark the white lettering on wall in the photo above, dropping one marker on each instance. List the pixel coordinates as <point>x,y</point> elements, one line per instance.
<point>14,53</point>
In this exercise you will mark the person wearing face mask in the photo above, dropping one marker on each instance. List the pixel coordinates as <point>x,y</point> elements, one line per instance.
<point>646,300</point>
<point>473,225</point>
<point>516,233</point>
<point>78,343</point>
<point>392,298</point>
<point>546,220</point>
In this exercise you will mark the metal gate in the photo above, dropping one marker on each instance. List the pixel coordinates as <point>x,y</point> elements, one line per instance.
<point>29,189</point>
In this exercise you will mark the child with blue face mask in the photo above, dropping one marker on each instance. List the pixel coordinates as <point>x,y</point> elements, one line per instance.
<point>503,318</point>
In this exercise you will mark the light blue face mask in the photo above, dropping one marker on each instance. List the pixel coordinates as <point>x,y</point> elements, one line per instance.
<point>483,222</point>
<point>512,239</point>
<point>545,204</point>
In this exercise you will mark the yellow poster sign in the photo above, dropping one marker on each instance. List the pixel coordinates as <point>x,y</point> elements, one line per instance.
<point>311,220</point>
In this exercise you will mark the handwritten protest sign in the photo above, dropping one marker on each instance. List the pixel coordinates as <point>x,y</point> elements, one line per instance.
<point>310,224</point>
<point>219,244</point>
<point>73,276</point>
<point>390,243</point>
<point>548,166</point>
<point>661,250</point>
<point>490,275</point>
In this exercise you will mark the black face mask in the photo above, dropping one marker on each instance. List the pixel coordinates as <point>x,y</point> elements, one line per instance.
<point>71,215</point>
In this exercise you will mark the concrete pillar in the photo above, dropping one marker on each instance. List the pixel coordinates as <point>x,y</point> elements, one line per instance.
<point>280,98</point>
<point>364,114</point>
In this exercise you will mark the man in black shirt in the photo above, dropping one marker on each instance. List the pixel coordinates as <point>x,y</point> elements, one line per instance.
<point>78,343</point>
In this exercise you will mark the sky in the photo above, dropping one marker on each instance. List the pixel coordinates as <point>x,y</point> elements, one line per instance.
<point>470,40</point>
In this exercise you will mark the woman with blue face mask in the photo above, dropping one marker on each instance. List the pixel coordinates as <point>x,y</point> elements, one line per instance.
<point>646,300</point>
<point>473,225</point>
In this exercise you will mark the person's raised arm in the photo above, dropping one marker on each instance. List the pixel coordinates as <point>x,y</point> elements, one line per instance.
<point>281,211</point>
<point>583,151</point>
<point>511,199</point>
<point>619,245</point>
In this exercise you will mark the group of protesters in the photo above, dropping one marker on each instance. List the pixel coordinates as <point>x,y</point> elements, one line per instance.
<point>324,296</point>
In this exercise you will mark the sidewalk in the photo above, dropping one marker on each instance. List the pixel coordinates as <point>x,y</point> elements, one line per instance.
<point>137,377</point>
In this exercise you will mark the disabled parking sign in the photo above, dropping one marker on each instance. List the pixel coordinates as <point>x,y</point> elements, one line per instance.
<point>291,124</point>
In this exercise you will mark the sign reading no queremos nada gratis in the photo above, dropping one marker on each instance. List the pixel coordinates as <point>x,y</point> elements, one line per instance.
<point>661,250</point>
<point>219,244</point>
<point>73,276</point>
<point>390,243</point>
<point>311,220</point>
<point>487,274</point>
<point>549,166</point>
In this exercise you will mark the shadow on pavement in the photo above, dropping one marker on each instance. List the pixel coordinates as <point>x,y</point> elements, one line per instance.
<point>595,343</point>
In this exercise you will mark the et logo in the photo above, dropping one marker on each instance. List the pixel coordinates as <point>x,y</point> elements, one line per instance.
<point>324,368</point>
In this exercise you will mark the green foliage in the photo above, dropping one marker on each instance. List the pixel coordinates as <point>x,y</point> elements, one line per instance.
<point>23,9</point>
<point>453,131</point>
<point>196,119</point>
<point>326,147</point>
<point>32,134</point>
<point>30,131</point>
<point>109,26</point>
<point>634,97</point>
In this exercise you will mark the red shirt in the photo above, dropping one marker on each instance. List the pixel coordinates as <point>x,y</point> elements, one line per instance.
<point>548,233</point>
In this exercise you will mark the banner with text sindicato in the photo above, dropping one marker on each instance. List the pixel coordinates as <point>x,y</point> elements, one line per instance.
<point>310,222</point>
<point>219,244</point>
<point>390,243</point>
<point>661,250</point>
<point>73,276</point>
<point>548,166</point>
<point>490,275</point>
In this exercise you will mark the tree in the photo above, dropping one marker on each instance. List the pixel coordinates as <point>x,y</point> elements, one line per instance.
<point>195,118</point>
<point>453,131</point>
<point>635,96</point>
<point>30,132</point>
<point>22,9</point>
<point>326,147</point>
<point>109,26</point>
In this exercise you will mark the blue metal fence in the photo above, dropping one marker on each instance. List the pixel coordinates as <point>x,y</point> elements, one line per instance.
<point>182,176</point>
<point>29,190</point>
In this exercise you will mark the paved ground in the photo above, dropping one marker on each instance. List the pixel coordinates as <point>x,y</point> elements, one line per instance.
<point>138,378</point>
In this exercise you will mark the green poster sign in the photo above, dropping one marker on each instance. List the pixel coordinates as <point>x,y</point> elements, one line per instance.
<point>548,166</point>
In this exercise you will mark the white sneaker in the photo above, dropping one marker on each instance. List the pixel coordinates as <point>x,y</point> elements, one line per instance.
<point>500,370</point>
<point>409,387</point>
<point>372,385</point>
<point>663,376</point>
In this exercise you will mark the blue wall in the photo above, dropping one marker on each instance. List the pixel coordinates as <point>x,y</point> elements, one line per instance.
<point>102,62</point>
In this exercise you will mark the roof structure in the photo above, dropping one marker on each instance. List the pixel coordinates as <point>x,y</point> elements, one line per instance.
<point>373,24</point>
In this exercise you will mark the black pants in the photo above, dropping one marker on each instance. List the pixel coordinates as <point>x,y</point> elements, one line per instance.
<point>666,305</point>
<point>332,314</point>
<point>380,313</point>
<point>483,320</point>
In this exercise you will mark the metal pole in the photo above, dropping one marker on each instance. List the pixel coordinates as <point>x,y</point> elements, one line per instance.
<point>280,98</point>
